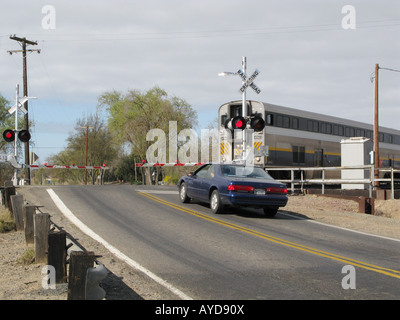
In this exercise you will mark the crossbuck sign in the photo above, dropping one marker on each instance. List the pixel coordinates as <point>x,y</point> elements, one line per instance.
<point>249,81</point>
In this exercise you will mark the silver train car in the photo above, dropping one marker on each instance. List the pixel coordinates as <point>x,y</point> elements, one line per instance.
<point>297,138</point>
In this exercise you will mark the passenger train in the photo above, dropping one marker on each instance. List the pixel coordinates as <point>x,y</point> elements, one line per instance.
<point>297,138</point>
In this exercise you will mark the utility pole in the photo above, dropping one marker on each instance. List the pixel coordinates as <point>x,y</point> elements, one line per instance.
<point>376,128</point>
<point>23,42</point>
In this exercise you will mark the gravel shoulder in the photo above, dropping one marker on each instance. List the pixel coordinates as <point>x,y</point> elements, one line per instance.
<point>24,282</point>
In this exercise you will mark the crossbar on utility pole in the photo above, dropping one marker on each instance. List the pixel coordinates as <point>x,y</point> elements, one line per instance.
<point>24,42</point>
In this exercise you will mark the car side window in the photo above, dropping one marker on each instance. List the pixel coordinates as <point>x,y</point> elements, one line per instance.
<point>202,173</point>
<point>211,172</point>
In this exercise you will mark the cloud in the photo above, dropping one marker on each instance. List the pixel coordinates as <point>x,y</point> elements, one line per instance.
<point>306,59</point>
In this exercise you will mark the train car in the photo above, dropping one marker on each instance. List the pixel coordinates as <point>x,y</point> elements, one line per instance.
<point>297,138</point>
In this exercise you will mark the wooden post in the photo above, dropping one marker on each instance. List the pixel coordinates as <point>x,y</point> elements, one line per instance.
<point>17,204</point>
<point>41,223</point>
<point>29,212</point>
<point>8,192</point>
<point>79,262</point>
<point>57,254</point>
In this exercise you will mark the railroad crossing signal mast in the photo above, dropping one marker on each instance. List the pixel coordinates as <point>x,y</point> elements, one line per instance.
<point>24,42</point>
<point>246,82</point>
<point>23,135</point>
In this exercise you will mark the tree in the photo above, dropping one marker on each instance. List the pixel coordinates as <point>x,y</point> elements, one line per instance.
<point>100,150</point>
<point>133,115</point>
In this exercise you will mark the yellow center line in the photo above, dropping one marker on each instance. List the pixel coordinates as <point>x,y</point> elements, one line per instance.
<point>367,266</point>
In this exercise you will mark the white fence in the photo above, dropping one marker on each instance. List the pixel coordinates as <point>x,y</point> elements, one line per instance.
<point>370,181</point>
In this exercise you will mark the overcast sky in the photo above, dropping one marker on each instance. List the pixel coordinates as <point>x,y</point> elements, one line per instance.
<point>307,55</point>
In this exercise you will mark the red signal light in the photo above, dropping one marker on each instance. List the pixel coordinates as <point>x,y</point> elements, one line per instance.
<point>239,123</point>
<point>9,135</point>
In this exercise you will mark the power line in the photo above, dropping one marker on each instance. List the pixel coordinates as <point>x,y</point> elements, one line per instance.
<point>254,31</point>
<point>389,69</point>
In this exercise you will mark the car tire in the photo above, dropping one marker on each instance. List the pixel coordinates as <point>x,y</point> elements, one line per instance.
<point>183,193</point>
<point>270,211</point>
<point>216,203</point>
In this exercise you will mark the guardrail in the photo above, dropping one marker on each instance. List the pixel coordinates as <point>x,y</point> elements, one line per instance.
<point>370,181</point>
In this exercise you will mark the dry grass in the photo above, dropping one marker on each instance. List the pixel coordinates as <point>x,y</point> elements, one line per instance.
<point>7,222</point>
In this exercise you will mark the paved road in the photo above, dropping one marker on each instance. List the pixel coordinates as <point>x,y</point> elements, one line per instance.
<point>237,255</point>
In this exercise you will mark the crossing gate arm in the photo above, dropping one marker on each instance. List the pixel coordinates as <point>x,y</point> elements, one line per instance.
<point>32,166</point>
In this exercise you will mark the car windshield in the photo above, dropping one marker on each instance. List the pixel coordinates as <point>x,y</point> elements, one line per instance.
<point>244,172</point>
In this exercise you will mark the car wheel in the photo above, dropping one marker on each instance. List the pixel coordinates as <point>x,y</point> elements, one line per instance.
<point>215,202</point>
<point>270,211</point>
<point>183,193</point>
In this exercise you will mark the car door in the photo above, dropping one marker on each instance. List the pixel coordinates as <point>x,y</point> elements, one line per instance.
<point>196,188</point>
<point>207,182</point>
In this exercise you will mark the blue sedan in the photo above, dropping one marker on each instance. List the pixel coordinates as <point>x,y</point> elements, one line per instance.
<point>223,185</point>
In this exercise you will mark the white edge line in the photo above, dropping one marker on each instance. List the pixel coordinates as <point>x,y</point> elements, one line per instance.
<point>68,214</point>
<point>337,227</point>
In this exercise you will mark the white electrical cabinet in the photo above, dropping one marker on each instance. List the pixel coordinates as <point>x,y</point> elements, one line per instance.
<point>355,152</point>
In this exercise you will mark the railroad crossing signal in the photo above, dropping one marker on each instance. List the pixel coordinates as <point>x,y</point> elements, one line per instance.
<point>257,123</point>
<point>249,81</point>
<point>23,135</point>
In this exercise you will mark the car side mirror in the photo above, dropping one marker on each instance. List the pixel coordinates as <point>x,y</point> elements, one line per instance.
<point>190,174</point>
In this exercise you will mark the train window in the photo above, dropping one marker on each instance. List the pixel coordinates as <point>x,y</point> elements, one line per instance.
<point>224,117</point>
<point>286,122</point>
<point>349,132</point>
<point>380,137</point>
<point>335,129</point>
<point>295,123</point>
<point>299,153</point>
<point>236,110</point>
<point>309,125</point>
<point>279,120</point>
<point>326,128</point>
<point>360,133</point>
<point>315,126</point>
<point>269,119</point>
<point>302,124</point>
<point>312,125</point>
